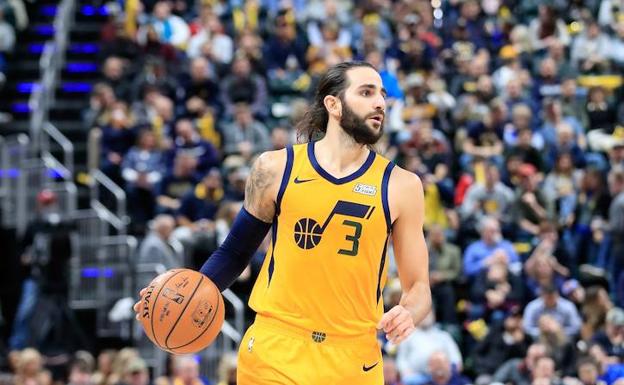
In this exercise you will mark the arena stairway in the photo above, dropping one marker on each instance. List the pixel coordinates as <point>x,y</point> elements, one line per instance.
<point>79,72</point>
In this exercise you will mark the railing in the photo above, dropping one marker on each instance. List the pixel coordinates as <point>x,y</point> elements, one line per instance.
<point>49,131</point>
<point>15,151</point>
<point>239,310</point>
<point>118,218</point>
<point>50,64</point>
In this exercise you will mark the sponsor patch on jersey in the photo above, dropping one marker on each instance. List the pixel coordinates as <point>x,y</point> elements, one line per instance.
<point>365,189</point>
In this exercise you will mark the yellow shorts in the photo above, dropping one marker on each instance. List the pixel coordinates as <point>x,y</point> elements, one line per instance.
<point>273,352</point>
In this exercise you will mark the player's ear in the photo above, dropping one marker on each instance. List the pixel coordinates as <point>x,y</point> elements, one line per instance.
<point>333,105</point>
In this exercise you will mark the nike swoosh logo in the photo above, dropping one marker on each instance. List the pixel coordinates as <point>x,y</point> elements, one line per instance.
<point>297,180</point>
<point>367,368</point>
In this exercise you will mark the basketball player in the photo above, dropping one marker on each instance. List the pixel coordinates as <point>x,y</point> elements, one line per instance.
<point>331,205</point>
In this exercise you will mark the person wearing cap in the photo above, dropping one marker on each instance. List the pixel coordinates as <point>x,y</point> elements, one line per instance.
<point>135,373</point>
<point>611,339</point>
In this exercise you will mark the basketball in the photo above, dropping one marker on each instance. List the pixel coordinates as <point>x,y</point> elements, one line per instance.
<point>182,311</point>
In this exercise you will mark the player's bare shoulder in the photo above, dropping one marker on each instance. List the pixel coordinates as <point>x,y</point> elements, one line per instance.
<point>263,184</point>
<point>405,190</point>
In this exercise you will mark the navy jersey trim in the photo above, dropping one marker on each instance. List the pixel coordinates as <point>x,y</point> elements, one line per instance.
<point>290,156</point>
<point>271,268</point>
<point>384,194</point>
<point>285,178</point>
<point>381,267</point>
<point>358,173</point>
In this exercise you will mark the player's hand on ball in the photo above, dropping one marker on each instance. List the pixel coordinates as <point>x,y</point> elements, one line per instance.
<point>397,323</point>
<point>137,306</point>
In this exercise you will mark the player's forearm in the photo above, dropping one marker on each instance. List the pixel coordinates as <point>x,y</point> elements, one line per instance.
<point>417,300</point>
<point>231,258</point>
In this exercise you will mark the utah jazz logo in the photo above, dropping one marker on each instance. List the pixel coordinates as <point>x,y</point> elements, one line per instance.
<point>308,232</point>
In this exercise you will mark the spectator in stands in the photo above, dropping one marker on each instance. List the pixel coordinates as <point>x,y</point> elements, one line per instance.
<point>113,71</point>
<point>158,247</point>
<point>196,216</point>
<point>142,170</point>
<point>177,182</point>
<point>212,42</point>
<point>590,50</point>
<point>547,27</point>
<point>30,369</point>
<point>611,338</point>
<point>154,74</point>
<point>561,349</point>
<point>549,302</point>
<point>188,140</point>
<point>170,28</point>
<point>519,371</point>
<point>504,341</point>
<point>201,85</point>
<point>490,249</point>
<point>572,103</point>
<point>227,369</point>
<point>100,104</point>
<point>616,221</point>
<point>414,353</point>
<point>117,138</point>
<point>444,270</point>
<point>284,42</point>
<point>531,205</point>
<point>242,85</point>
<point>442,371</point>
<point>135,373</point>
<point>491,198</point>
<point>611,369</point>
<point>245,136</point>
<point>104,367</point>
<point>494,293</point>
<point>587,371</point>
<point>187,371</point>
<point>595,308</point>
<point>80,373</point>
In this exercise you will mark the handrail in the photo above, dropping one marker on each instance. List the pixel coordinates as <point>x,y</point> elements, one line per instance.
<point>230,332</point>
<point>99,178</point>
<point>239,309</point>
<point>22,186</point>
<point>50,64</point>
<point>66,145</point>
<point>107,216</point>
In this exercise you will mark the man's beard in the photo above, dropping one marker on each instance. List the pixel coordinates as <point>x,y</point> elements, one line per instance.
<point>357,128</point>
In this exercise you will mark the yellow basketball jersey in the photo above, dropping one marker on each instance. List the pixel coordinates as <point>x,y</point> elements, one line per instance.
<point>326,266</point>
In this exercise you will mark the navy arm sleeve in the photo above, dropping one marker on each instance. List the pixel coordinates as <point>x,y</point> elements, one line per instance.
<point>231,258</point>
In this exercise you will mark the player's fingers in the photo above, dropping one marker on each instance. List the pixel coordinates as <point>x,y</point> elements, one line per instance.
<point>388,317</point>
<point>401,318</point>
<point>142,292</point>
<point>400,331</point>
<point>403,336</point>
<point>400,324</point>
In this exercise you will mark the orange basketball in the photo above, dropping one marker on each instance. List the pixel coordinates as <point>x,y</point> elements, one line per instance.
<point>182,311</point>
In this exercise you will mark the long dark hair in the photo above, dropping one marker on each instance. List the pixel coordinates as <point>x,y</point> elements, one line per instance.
<point>313,124</point>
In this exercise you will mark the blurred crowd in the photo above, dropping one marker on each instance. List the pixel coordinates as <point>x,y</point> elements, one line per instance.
<point>111,367</point>
<point>510,111</point>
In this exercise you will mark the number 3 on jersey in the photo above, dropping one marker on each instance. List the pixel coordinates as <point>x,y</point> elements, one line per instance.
<point>355,238</point>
